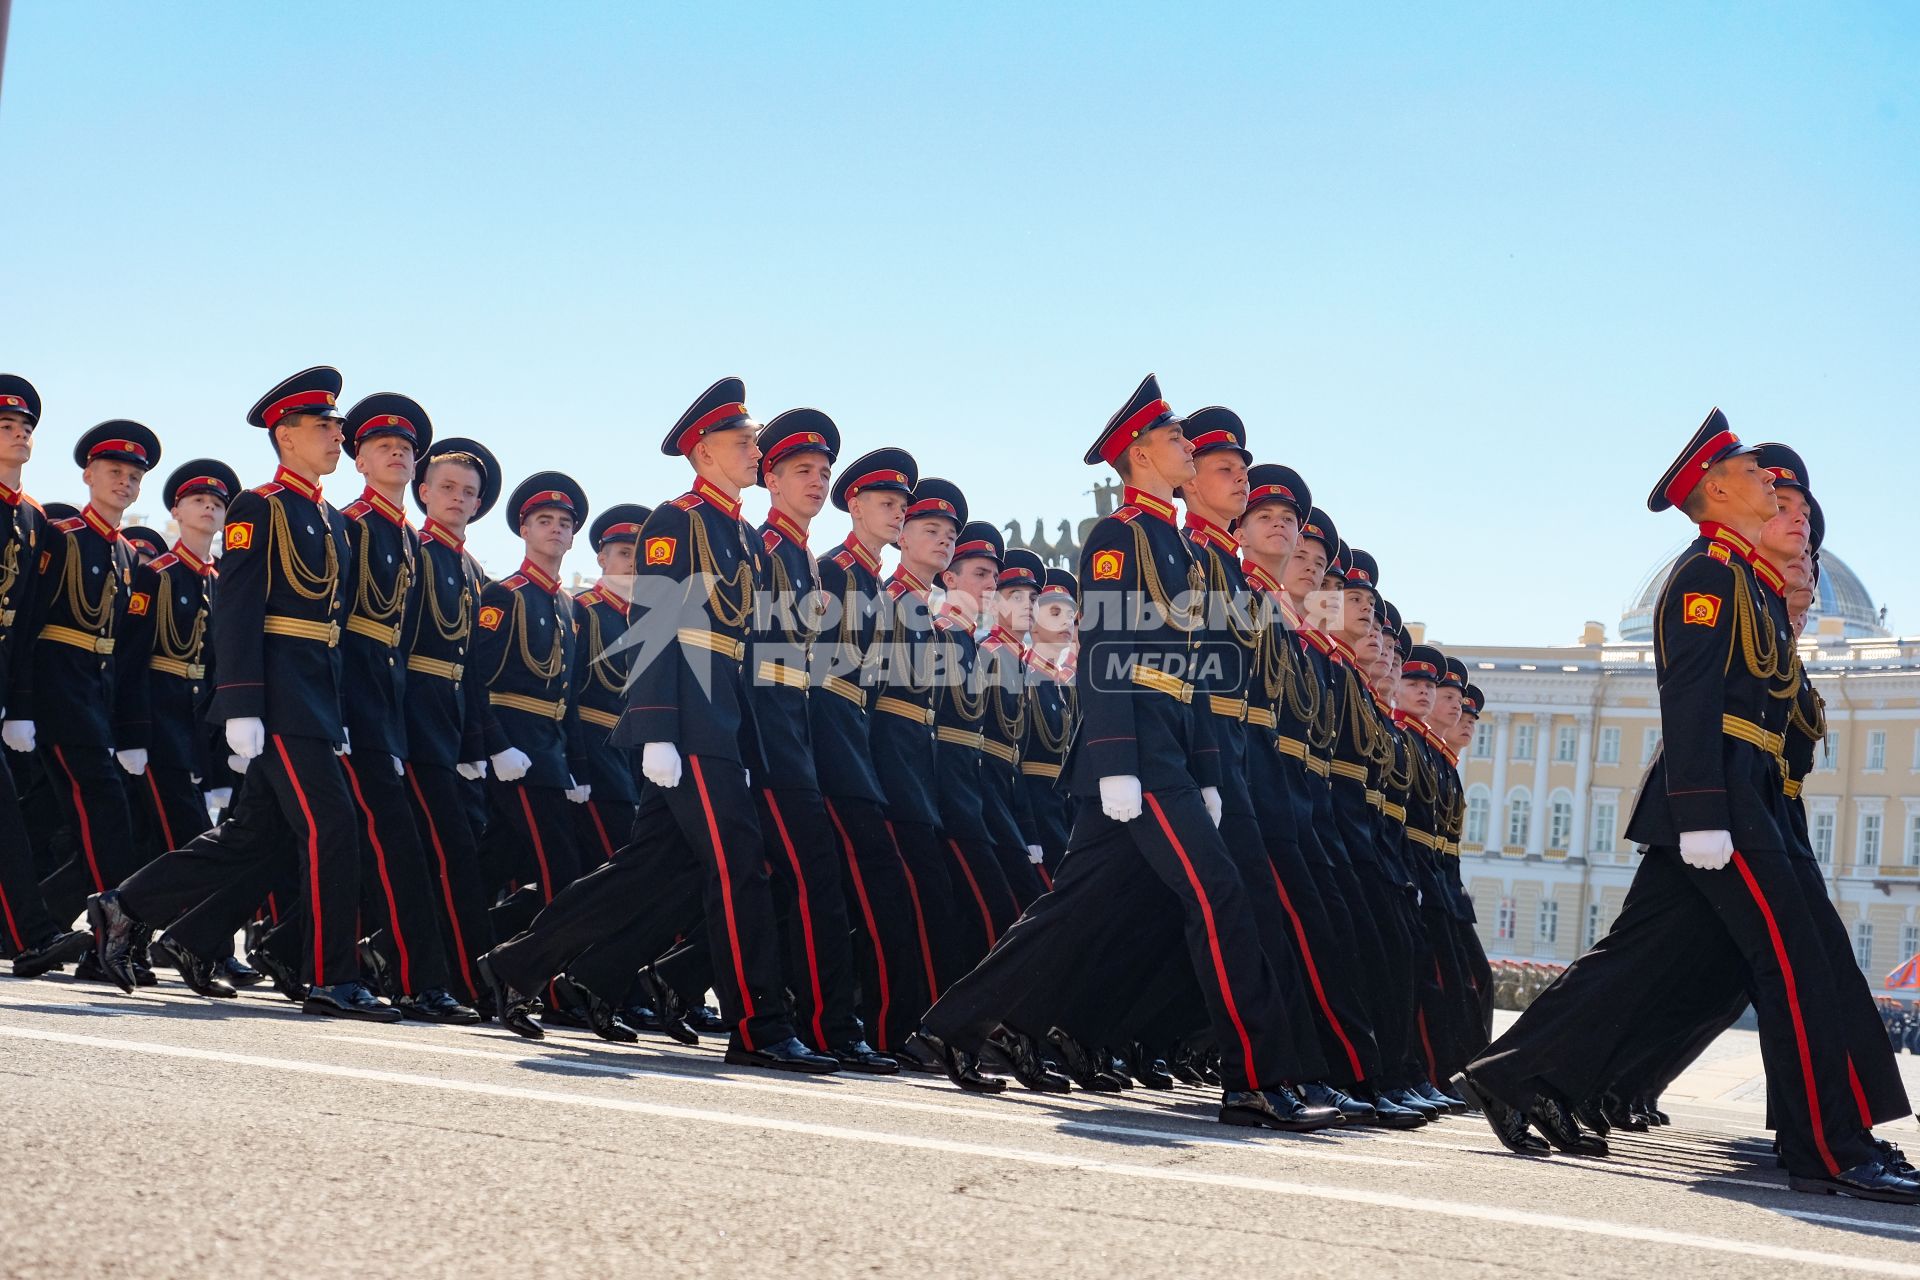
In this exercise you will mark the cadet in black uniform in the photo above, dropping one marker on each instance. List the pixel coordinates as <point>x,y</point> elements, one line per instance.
<point>1004,678</point>
<point>279,695</point>
<point>1051,714</point>
<point>600,671</point>
<point>1713,815</point>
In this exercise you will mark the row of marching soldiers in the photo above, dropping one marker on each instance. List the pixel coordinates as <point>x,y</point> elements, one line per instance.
<point>1190,814</point>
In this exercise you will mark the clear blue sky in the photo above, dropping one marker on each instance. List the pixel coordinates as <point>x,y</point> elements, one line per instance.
<point>1476,272</point>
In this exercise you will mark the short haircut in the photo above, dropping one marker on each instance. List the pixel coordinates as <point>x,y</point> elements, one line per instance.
<point>458,459</point>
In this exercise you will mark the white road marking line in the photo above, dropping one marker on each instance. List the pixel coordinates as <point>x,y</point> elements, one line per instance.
<point>1154,1173</point>
<point>1841,1220</point>
<point>865,1099</point>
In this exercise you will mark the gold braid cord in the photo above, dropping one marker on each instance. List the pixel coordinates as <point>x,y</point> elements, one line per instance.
<point>303,581</point>
<point>1760,647</point>
<point>1053,742</point>
<point>89,616</point>
<point>600,664</point>
<point>1187,618</point>
<point>458,627</point>
<point>1368,737</point>
<point>368,602</point>
<point>729,596</point>
<point>166,635</point>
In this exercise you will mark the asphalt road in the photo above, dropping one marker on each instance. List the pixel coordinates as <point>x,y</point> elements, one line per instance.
<point>165,1135</point>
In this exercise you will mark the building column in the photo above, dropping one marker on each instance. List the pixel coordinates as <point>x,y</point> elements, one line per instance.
<point>1497,815</point>
<point>1537,826</point>
<point>1582,781</point>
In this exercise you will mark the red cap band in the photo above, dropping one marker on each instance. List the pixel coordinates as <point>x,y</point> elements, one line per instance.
<point>1116,444</point>
<point>932,506</point>
<point>798,440</point>
<point>386,422</point>
<point>202,482</point>
<point>1211,438</point>
<point>298,402</point>
<point>118,446</point>
<point>707,421</point>
<point>1266,491</point>
<point>877,477</point>
<point>1412,668</point>
<point>1694,469</point>
<point>547,498</point>
<point>969,548</point>
<point>1016,578</point>
<point>613,531</point>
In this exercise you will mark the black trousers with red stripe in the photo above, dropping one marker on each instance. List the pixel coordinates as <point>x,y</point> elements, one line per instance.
<point>1023,877</point>
<point>804,857</point>
<point>934,889</point>
<point>1174,843</point>
<point>529,845</point>
<point>91,789</point>
<point>889,959</point>
<point>397,891</point>
<point>600,827</point>
<point>1565,1038</point>
<point>705,826</point>
<point>1320,920</point>
<point>169,807</point>
<point>439,799</point>
<point>293,805</point>
<point>982,904</point>
<point>24,918</point>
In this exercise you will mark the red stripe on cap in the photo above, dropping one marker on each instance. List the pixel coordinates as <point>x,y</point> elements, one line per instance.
<point>1016,577</point>
<point>798,440</point>
<point>214,483</point>
<point>620,531</point>
<point>1357,574</point>
<point>932,505</point>
<point>876,477</point>
<point>707,421</point>
<point>386,422</point>
<point>295,403</point>
<point>968,548</point>
<point>1116,444</point>
<point>1267,491</point>
<point>1419,668</point>
<point>547,497</point>
<point>1208,439</point>
<point>118,446</point>
<point>1695,467</point>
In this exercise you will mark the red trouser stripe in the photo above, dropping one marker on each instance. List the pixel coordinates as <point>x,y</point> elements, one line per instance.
<point>919,916</point>
<point>726,901</point>
<point>600,829</point>
<point>1433,1069</point>
<point>1045,879</point>
<point>873,928</point>
<point>979,899</point>
<point>313,862</point>
<point>80,819</point>
<point>1793,1006</point>
<point>1213,938</point>
<point>1859,1094</point>
<point>386,883</point>
<point>13,930</point>
<point>160,811</point>
<point>539,845</point>
<point>446,881</point>
<point>1313,975</point>
<point>806,923</point>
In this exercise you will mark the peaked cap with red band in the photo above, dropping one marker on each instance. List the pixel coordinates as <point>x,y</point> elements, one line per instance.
<point>1271,482</point>
<point>149,542</point>
<point>1144,410</point>
<point>1456,677</point>
<point>202,475</point>
<point>978,538</point>
<point>1061,581</point>
<point>1021,568</point>
<point>1789,472</point>
<point>490,478</point>
<point>935,496</point>
<point>545,489</point>
<point>1214,428</point>
<point>387,413</point>
<point>315,390</point>
<point>1424,662</point>
<point>1472,701</point>
<point>121,440</point>
<point>618,523</point>
<point>797,431</point>
<point>1361,571</point>
<point>18,396</point>
<point>1710,444</point>
<point>721,407</point>
<point>1319,526</point>
<point>883,470</point>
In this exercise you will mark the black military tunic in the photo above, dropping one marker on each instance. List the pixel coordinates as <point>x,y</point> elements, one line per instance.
<point>24,919</point>
<point>600,620</point>
<point>165,684</point>
<point>1050,716</point>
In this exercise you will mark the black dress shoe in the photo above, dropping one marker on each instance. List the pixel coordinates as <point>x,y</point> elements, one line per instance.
<point>865,1059</point>
<point>962,1067</point>
<point>1112,1064</point>
<point>1351,1109</point>
<point>707,1019</point>
<point>1618,1114</point>
<point>57,952</point>
<point>1147,1069</point>
<point>1181,1065</point>
<point>914,1055</point>
<point>1896,1158</point>
<point>671,1013</point>
<point>199,975</point>
<point>436,1004</point>
<point>283,977</point>
<point>1448,1106</point>
<point>605,1021</point>
<point>1081,1067</point>
<point>640,1017</point>
<point>1554,1118</point>
<point>517,1009</point>
<point>1414,1102</point>
<point>1391,1115</point>
<point>1507,1123</point>
<point>239,972</point>
<point>138,959</point>
<point>352,1000</point>
<point>787,1055</point>
<point>1022,1057</point>
<point>1591,1116</point>
<point>113,936</point>
<point>573,1019</point>
<point>1276,1108</point>
<point>374,973</point>
<point>1874,1180</point>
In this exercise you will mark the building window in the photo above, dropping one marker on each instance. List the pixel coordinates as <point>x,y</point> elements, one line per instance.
<point>1565,742</point>
<point>1863,944</point>
<point>1523,742</point>
<point>1909,943</point>
<point>1877,751</point>
<point>1479,807</point>
<point>1869,846</point>
<point>1610,746</point>
<point>1595,915</point>
<point>1606,821</point>
<point>1823,838</point>
<point>1828,755</point>
<point>1483,741</point>
<point>1549,930</point>
<point>1519,815</point>
<point>1503,920</point>
<point>1560,821</point>
<point>1913,838</point>
<point>1916,750</point>
<point>1649,745</point>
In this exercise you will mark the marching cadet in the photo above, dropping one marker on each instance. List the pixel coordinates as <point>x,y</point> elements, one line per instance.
<point>64,695</point>
<point>1713,815</point>
<point>1050,717</point>
<point>279,695</point>
<point>1004,678</point>
<point>37,941</point>
<point>451,730</point>
<point>1142,827</point>
<point>891,963</point>
<point>696,842</point>
<point>600,670</point>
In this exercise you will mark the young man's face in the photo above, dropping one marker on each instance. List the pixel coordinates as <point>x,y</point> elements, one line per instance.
<point>1269,531</point>
<point>1306,568</point>
<point>735,453</point>
<point>451,494</point>
<point>111,484</point>
<point>1462,733</point>
<point>878,516</point>
<point>1164,452</point>
<point>1750,487</point>
<point>616,559</point>
<point>548,531</point>
<point>200,513</point>
<point>926,542</point>
<point>1446,706</point>
<point>1785,536</point>
<point>1357,614</point>
<point>969,584</point>
<point>1219,483</point>
<point>310,442</point>
<point>386,461</point>
<point>1053,617</point>
<point>1013,609</point>
<point>800,483</point>
<point>1415,696</point>
<point>16,439</point>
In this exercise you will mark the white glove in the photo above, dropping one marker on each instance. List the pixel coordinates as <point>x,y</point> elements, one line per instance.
<point>472,772</point>
<point>1210,797</point>
<point>1120,797</point>
<point>1036,855</point>
<point>221,797</point>
<point>399,767</point>
<point>511,765</point>
<point>579,792</point>
<point>18,734</point>
<point>247,737</point>
<point>238,763</point>
<point>344,747</point>
<point>1707,850</point>
<point>133,760</point>
<point>660,764</point>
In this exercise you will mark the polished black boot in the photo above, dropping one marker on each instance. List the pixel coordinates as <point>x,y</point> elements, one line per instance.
<point>516,1009</point>
<point>1081,1066</point>
<point>239,972</point>
<point>1507,1123</point>
<point>1275,1108</point>
<point>138,959</point>
<point>1592,1117</point>
<point>1022,1057</point>
<point>671,1013</point>
<point>1554,1118</point>
<point>1423,1088</point>
<point>354,1001</point>
<point>57,952</point>
<point>865,1059</point>
<point>199,975</point>
<point>1147,1069</point>
<point>114,932</point>
<point>1352,1110</point>
<point>283,977</point>
<point>788,1055</point>
<point>436,1004</point>
<point>961,1067</point>
<point>1618,1114</point>
<point>1389,1114</point>
<point>1879,1179</point>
